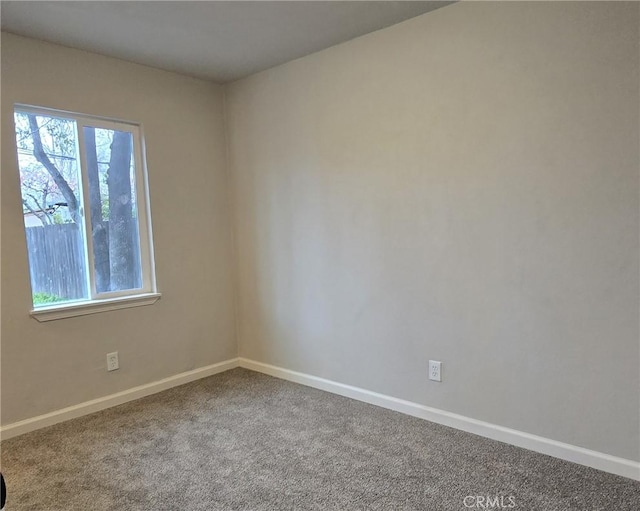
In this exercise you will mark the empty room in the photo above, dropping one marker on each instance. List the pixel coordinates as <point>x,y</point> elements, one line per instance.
<point>320,255</point>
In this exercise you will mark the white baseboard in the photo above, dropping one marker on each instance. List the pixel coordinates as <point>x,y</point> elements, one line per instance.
<point>594,459</point>
<point>95,405</point>
<point>575,454</point>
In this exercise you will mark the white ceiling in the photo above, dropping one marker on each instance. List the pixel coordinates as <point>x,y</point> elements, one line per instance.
<point>217,41</point>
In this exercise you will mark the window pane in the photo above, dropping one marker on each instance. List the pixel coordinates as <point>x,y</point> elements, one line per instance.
<point>52,200</point>
<point>71,165</point>
<point>114,213</point>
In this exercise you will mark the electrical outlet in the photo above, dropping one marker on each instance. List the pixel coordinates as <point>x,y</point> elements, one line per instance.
<point>435,367</point>
<point>112,361</point>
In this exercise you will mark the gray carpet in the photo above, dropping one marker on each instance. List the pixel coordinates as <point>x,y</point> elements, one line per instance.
<point>244,441</point>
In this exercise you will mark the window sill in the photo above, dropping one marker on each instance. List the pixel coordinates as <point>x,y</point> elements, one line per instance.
<point>70,310</point>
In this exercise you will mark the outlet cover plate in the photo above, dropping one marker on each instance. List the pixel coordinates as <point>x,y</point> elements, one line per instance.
<point>435,370</point>
<point>112,361</point>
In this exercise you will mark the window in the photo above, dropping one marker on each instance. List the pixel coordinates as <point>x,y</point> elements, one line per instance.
<point>86,218</point>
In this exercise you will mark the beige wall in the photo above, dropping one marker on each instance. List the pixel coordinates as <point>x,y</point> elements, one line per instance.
<point>47,366</point>
<point>462,187</point>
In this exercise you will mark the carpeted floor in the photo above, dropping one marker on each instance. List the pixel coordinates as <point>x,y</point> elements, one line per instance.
<point>244,441</point>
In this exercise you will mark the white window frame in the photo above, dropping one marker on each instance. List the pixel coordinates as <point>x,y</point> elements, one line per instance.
<point>99,302</point>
